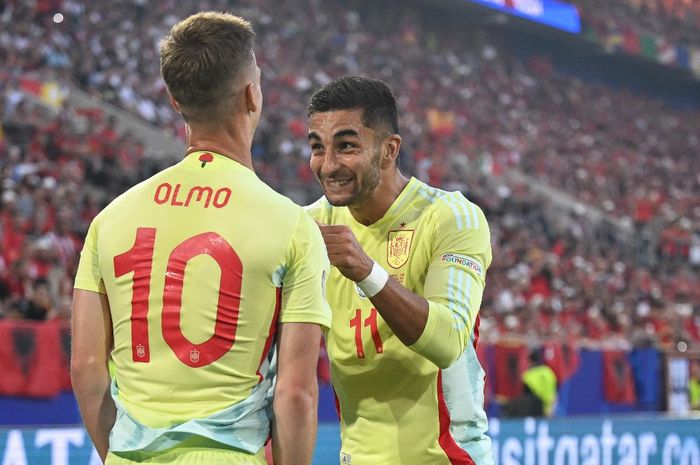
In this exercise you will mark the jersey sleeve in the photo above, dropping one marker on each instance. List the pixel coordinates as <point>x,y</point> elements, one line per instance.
<point>455,281</point>
<point>320,211</point>
<point>89,276</point>
<point>304,281</point>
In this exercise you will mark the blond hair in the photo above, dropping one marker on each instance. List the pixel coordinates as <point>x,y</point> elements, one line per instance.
<point>202,57</point>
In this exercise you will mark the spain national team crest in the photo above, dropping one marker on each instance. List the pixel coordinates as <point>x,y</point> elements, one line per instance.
<point>398,247</point>
<point>140,351</point>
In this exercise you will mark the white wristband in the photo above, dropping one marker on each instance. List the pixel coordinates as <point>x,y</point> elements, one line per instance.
<point>375,282</point>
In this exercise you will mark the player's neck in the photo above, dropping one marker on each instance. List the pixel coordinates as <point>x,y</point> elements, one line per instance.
<point>375,207</point>
<point>232,142</point>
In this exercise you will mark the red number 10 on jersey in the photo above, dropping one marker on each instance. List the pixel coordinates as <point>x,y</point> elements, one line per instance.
<point>139,260</point>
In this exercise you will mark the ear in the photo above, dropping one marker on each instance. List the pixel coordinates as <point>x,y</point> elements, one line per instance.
<point>392,146</point>
<point>174,104</point>
<point>251,97</point>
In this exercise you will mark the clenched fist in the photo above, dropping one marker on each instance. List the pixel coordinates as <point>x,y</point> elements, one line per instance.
<point>345,253</point>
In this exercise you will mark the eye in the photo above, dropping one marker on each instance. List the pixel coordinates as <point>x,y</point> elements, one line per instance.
<point>316,149</point>
<point>346,146</point>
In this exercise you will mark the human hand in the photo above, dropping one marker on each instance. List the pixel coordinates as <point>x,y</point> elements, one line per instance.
<point>345,252</point>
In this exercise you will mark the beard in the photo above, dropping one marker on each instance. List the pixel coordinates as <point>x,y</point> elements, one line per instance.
<point>361,191</point>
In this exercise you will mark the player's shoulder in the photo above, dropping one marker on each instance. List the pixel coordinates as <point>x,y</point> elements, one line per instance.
<point>272,202</point>
<point>451,207</point>
<point>289,217</point>
<point>138,192</point>
<point>125,197</point>
<point>320,210</point>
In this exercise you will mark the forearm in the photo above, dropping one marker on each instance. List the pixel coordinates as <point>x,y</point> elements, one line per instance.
<point>439,328</point>
<point>97,407</point>
<point>406,313</point>
<point>428,328</point>
<point>294,426</point>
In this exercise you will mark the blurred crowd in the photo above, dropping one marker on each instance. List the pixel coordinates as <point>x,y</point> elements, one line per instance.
<point>558,277</point>
<point>672,21</point>
<point>470,112</point>
<point>57,171</point>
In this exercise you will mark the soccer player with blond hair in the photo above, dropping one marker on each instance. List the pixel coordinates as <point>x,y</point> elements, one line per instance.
<point>210,312</point>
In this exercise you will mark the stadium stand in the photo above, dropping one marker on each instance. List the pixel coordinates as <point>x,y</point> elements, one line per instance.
<point>616,265</point>
<point>669,21</point>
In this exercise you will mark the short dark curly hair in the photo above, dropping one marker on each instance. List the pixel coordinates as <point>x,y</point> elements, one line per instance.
<point>356,92</point>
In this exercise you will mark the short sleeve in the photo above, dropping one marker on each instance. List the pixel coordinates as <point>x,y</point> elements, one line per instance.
<point>304,281</point>
<point>89,276</point>
<point>320,211</point>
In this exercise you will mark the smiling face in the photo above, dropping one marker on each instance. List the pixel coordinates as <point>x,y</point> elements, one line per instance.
<point>345,156</point>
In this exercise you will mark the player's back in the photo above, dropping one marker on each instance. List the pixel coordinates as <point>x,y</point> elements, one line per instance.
<point>192,261</point>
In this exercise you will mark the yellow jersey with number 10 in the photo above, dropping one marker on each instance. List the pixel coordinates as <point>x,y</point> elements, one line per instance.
<point>200,263</point>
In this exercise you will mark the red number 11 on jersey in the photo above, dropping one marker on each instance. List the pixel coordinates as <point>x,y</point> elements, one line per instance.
<point>370,321</point>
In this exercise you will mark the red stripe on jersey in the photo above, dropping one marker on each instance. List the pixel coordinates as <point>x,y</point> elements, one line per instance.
<point>456,454</point>
<point>273,330</point>
<point>337,403</point>
<point>476,332</point>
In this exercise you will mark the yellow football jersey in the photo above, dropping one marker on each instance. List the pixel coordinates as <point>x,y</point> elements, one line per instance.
<point>200,263</point>
<point>396,405</point>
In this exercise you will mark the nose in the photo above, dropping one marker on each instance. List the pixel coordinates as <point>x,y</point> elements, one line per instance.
<point>330,163</point>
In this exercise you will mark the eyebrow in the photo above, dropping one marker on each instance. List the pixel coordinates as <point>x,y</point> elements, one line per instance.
<point>337,135</point>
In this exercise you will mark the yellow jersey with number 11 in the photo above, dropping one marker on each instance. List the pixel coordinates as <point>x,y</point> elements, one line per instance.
<point>423,404</point>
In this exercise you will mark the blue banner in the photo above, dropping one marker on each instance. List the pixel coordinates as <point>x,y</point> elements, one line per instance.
<point>628,440</point>
<point>47,446</point>
<point>596,441</point>
<point>551,13</point>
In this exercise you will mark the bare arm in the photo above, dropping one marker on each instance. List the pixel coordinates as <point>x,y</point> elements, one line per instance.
<point>91,346</point>
<point>406,313</point>
<point>296,394</point>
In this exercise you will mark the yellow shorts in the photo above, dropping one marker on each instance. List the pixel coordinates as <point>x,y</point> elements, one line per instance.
<point>189,454</point>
